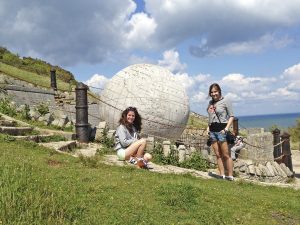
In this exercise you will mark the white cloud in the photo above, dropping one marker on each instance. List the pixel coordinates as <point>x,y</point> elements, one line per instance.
<point>282,94</point>
<point>292,73</point>
<point>199,97</point>
<point>224,27</point>
<point>187,81</point>
<point>140,29</point>
<point>172,62</point>
<point>97,82</point>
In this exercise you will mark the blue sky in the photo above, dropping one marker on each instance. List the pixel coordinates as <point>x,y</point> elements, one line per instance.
<point>251,48</point>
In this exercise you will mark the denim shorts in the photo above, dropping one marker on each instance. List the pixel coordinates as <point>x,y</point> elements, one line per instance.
<point>217,136</point>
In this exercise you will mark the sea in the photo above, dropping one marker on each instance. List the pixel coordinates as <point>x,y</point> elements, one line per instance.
<point>266,121</point>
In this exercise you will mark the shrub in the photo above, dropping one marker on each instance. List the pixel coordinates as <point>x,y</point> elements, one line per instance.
<point>7,108</point>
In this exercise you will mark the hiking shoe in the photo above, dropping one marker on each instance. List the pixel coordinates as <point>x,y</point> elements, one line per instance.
<point>230,178</point>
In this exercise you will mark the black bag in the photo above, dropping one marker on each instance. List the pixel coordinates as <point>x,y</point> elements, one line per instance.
<point>230,138</point>
<point>208,142</point>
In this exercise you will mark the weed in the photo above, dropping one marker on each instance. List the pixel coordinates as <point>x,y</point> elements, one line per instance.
<point>42,108</point>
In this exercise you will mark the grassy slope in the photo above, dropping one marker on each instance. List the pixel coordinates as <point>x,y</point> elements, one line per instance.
<point>31,77</point>
<point>39,186</point>
<point>38,80</point>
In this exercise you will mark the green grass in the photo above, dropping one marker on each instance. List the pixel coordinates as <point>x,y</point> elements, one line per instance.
<point>30,77</point>
<point>39,186</point>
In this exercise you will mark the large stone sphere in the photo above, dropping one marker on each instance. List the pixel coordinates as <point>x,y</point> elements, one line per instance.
<point>159,98</point>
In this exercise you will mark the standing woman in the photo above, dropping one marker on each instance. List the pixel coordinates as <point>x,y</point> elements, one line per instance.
<point>128,145</point>
<point>220,118</point>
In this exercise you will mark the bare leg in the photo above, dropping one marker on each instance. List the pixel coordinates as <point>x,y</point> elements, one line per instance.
<point>137,148</point>
<point>218,153</point>
<point>226,156</point>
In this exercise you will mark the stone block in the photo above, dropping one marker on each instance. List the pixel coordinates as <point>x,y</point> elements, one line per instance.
<point>181,153</point>
<point>166,148</point>
<point>150,144</point>
<point>286,170</point>
<point>280,172</point>
<point>111,133</point>
<point>271,172</point>
<point>102,125</point>
<point>99,134</point>
<point>251,169</point>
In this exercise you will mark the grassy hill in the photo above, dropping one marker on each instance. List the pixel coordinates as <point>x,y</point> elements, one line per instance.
<point>39,186</point>
<point>35,66</point>
<point>197,121</point>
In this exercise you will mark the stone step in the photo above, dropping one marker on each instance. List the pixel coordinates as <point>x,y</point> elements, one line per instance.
<point>61,146</point>
<point>8,123</point>
<point>35,138</point>
<point>15,131</point>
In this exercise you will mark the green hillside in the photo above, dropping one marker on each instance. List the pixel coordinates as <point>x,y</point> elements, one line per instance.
<point>36,66</point>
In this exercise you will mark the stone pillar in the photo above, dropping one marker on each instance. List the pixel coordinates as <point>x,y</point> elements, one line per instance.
<point>53,79</point>
<point>181,153</point>
<point>286,151</point>
<point>276,140</point>
<point>82,125</point>
<point>236,126</point>
<point>166,148</point>
<point>150,144</point>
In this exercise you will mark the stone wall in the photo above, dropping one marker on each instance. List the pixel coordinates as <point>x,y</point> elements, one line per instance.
<point>30,95</point>
<point>259,147</point>
<point>22,93</point>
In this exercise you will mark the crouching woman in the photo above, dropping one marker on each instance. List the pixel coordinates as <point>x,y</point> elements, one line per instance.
<point>127,142</point>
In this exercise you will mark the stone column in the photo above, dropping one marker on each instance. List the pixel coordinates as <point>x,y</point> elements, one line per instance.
<point>53,79</point>
<point>82,125</point>
<point>181,153</point>
<point>166,148</point>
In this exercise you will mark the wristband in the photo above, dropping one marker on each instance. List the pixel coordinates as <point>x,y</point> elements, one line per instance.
<point>226,130</point>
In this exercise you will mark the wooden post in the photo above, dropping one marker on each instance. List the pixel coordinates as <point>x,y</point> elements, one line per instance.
<point>286,151</point>
<point>236,126</point>
<point>276,140</point>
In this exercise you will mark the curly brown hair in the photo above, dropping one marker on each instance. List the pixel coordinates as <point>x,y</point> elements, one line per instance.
<point>137,123</point>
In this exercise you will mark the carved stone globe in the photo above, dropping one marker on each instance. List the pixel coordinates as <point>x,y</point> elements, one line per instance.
<point>159,98</point>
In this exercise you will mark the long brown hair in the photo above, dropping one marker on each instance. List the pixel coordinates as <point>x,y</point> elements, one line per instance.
<point>137,123</point>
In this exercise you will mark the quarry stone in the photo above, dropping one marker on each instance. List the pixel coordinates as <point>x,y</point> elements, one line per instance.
<point>154,91</point>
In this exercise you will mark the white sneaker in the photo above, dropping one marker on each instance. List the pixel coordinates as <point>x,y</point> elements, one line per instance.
<point>230,178</point>
<point>132,160</point>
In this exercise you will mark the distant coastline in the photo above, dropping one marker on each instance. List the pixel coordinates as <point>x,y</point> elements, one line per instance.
<point>283,120</point>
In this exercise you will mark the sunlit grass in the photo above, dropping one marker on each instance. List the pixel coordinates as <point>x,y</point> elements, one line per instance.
<point>39,186</point>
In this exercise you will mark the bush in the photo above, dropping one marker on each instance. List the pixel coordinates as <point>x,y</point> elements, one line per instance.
<point>196,161</point>
<point>42,108</point>
<point>295,131</point>
<point>7,108</point>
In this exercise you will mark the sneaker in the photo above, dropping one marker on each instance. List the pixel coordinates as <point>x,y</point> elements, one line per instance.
<point>132,160</point>
<point>230,178</point>
<point>215,175</point>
